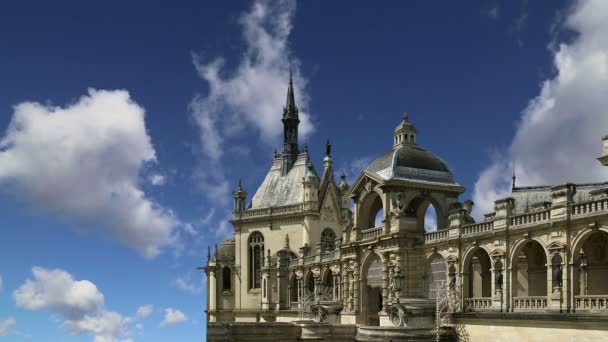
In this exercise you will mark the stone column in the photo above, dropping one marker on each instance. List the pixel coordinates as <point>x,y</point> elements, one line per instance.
<point>212,293</point>
<point>300,291</point>
<point>497,279</point>
<point>356,285</point>
<point>385,281</point>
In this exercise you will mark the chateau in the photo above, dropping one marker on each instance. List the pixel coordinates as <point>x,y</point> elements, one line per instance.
<point>313,258</point>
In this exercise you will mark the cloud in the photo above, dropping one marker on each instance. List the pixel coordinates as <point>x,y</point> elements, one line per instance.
<point>157,179</point>
<point>83,161</point>
<point>558,135</point>
<point>251,97</point>
<point>517,28</point>
<point>491,12</point>
<point>186,283</point>
<point>78,302</point>
<point>6,326</point>
<point>173,316</point>
<point>145,311</point>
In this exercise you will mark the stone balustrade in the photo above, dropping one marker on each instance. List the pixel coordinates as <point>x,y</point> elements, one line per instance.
<point>591,302</point>
<point>588,207</point>
<point>283,210</point>
<point>436,236</point>
<point>371,232</point>
<point>531,218</point>
<point>477,228</point>
<point>478,303</point>
<point>530,303</point>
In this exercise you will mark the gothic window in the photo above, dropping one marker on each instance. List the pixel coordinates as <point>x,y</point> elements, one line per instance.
<point>256,255</point>
<point>226,279</point>
<point>436,275</point>
<point>328,240</point>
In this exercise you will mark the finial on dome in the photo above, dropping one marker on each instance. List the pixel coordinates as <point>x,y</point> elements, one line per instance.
<point>405,117</point>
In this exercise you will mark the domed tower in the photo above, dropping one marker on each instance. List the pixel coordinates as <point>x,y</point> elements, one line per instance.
<point>401,184</point>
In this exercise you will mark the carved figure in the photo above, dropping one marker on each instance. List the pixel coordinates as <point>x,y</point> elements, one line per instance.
<point>557,275</point>
<point>498,279</point>
<point>398,205</point>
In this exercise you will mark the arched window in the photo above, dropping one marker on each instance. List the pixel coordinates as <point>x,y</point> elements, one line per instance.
<point>226,279</point>
<point>436,275</point>
<point>256,255</point>
<point>328,240</point>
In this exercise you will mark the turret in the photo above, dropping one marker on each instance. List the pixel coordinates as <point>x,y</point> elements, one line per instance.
<point>405,133</point>
<point>291,121</point>
<point>311,187</point>
<point>240,197</point>
<point>604,157</point>
<point>343,188</point>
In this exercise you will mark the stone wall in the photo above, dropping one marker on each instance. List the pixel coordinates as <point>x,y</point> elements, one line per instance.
<point>284,332</point>
<point>508,327</point>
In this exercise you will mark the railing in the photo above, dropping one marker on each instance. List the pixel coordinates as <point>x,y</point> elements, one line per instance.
<point>330,256</point>
<point>436,236</point>
<point>370,232</point>
<point>287,209</point>
<point>539,216</point>
<point>294,262</point>
<point>478,303</point>
<point>530,303</point>
<point>591,302</point>
<point>590,207</point>
<point>478,228</point>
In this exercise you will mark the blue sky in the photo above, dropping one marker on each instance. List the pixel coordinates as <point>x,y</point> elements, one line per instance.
<point>124,127</point>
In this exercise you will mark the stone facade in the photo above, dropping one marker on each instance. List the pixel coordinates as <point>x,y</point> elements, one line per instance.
<point>308,247</point>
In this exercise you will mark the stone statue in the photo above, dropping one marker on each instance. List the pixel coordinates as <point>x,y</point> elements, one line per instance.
<point>391,284</point>
<point>398,205</point>
<point>351,285</point>
<point>557,275</point>
<point>452,276</point>
<point>498,279</point>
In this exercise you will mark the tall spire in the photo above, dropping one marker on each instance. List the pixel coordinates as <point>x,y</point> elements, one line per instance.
<point>290,110</point>
<point>290,129</point>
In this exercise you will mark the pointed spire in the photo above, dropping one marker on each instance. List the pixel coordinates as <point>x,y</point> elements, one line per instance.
<point>291,110</point>
<point>513,177</point>
<point>328,148</point>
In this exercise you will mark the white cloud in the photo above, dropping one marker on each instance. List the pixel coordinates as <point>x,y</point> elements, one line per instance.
<point>157,179</point>
<point>145,311</point>
<point>173,316</point>
<point>82,162</point>
<point>186,283</point>
<point>558,136</point>
<point>79,302</point>
<point>253,95</point>
<point>6,326</point>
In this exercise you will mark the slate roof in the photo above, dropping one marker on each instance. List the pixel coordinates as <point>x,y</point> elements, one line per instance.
<point>525,197</point>
<point>413,163</point>
<point>277,190</point>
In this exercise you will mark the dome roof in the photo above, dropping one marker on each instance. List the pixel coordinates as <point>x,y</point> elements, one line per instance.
<point>225,251</point>
<point>411,162</point>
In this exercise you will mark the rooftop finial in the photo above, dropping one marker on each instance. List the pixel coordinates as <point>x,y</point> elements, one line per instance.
<point>405,118</point>
<point>513,177</point>
<point>276,153</point>
<point>290,106</point>
<point>306,148</point>
<point>327,148</point>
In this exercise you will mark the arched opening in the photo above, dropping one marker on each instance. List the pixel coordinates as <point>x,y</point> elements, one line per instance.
<point>226,279</point>
<point>328,285</point>
<point>309,286</point>
<point>430,219</point>
<point>256,255</point>
<point>479,274</point>
<point>529,276</point>
<point>293,291</point>
<point>435,275</point>
<point>426,212</point>
<point>372,290</point>
<point>371,211</point>
<point>328,240</point>
<point>591,267</point>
